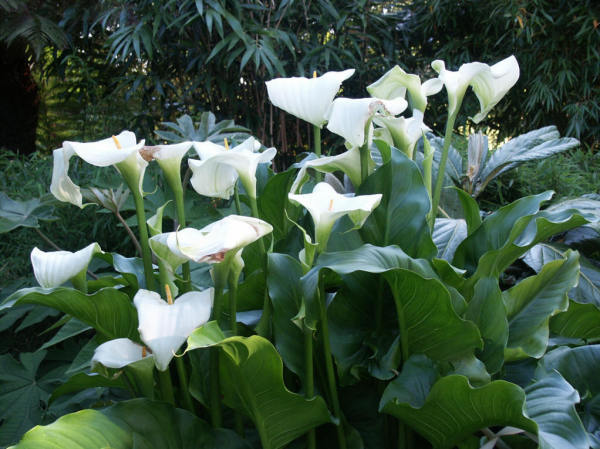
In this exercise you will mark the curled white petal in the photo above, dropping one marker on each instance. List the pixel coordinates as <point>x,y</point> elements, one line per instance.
<point>216,173</point>
<point>62,187</point>
<point>105,152</point>
<point>349,117</point>
<point>118,353</point>
<point>52,269</point>
<point>325,206</point>
<point>490,84</point>
<point>212,243</point>
<point>164,327</point>
<point>405,132</point>
<point>307,98</point>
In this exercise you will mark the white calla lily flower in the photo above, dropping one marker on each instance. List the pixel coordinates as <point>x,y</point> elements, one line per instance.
<point>218,240</point>
<point>169,159</point>
<point>405,132</point>
<point>216,173</point>
<point>54,268</point>
<point>119,353</point>
<point>349,117</point>
<point>164,327</point>
<point>62,187</point>
<point>396,82</point>
<point>325,206</point>
<point>347,162</point>
<point>490,83</point>
<point>307,98</point>
<point>122,151</point>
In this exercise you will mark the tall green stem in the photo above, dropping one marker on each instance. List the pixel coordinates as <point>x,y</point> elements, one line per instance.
<point>364,162</point>
<point>215,389</point>
<point>179,205</point>
<point>166,386</point>
<point>330,372</point>
<point>143,230</point>
<point>263,329</point>
<point>236,197</point>
<point>309,387</point>
<point>184,384</point>
<point>317,147</point>
<point>442,167</point>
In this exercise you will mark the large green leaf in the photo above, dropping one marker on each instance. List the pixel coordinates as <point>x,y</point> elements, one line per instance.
<point>496,229</point>
<point>531,303</point>
<point>587,290</point>
<point>537,144</point>
<point>285,291</point>
<point>24,213</point>
<point>487,310</point>
<point>579,366</point>
<point>400,218</point>
<point>448,410</point>
<point>138,423</point>
<point>448,233</point>
<point>579,321</point>
<point>424,307</point>
<point>588,205</point>
<point>251,373</point>
<point>509,233</point>
<point>551,404</point>
<point>108,310</point>
<point>21,394</point>
<point>273,204</point>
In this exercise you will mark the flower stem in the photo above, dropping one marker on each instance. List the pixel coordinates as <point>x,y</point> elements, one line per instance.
<point>263,328</point>
<point>437,193</point>
<point>236,197</point>
<point>166,386</point>
<point>330,372</point>
<point>317,147</point>
<point>143,230</point>
<point>183,384</point>
<point>233,288</point>
<point>309,387</point>
<point>179,205</point>
<point>215,390</point>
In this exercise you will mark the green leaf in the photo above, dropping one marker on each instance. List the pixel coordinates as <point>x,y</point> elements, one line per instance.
<point>283,280</point>
<point>138,423</point>
<point>425,308</point>
<point>20,395</point>
<point>579,366</point>
<point>83,381</point>
<point>273,204</point>
<point>470,209</point>
<point>448,233</point>
<point>70,329</point>
<point>531,303</point>
<point>538,144</point>
<point>448,410</point>
<point>579,321</point>
<point>251,373</point>
<point>587,290</point>
<point>108,310</point>
<point>551,404</point>
<point>486,309</point>
<point>24,213</point>
<point>400,218</point>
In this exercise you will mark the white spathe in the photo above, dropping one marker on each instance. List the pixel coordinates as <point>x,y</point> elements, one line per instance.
<point>122,151</point>
<point>307,98</point>
<point>347,162</point>
<point>490,83</point>
<point>118,353</point>
<point>54,268</point>
<point>405,132</point>
<point>216,173</point>
<point>396,82</point>
<point>168,156</point>
<point>164,327</point>
<point>62,187</point>
<point>325,206</point>
<point>212,243</point>
<point>349,117</point>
